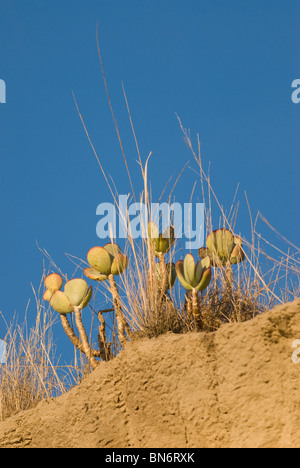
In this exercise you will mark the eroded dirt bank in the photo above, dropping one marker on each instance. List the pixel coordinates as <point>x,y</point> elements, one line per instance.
<point>237,387</point>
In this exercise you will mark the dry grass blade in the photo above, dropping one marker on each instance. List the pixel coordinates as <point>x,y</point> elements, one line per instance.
<point>31,371</point>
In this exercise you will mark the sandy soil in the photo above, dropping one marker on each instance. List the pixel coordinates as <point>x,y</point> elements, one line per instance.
<point>237,387</point>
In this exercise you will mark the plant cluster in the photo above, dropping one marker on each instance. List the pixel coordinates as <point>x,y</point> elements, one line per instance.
<point>105,263</point>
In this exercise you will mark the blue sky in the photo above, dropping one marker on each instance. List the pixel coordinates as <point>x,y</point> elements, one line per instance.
<point>225,68</point>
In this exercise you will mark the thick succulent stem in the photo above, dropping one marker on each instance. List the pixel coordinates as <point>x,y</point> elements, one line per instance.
<point>188,306</point>
<point>229,273</point>
<point>164,274</point>
<point>104,348</point>
<point>72,336</point>
<point>196,310</point>
<point>122,324</point>
<point>84,339</point>
<point>228,282</point>
<point>70,332</point>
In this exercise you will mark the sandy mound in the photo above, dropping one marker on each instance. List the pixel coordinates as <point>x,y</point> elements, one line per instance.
<point>237,387</point>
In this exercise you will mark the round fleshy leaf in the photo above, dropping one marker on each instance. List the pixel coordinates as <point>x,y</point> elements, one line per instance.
<point>190,270</point>
<point>61,303</point>
<point>94,274</point>
<point>199,272</point>
<point>206,262</point>
<point>87,298</point>
<point>161,243</point>
<point>119,264</point>
<point>205,280</point>
<point>214,259</point>
<point>169,236</point>
<point>204,252</point>
<point>237,255</point>
<point>210,241</point>
<point>156,246</point>
<point>153,231</point>
<point>100,260</point>
<point>238,241</point>
<point>164,244</point>
<point>76,289</point>
<point>221,243</point>
<point>227,243</point>
<point>113,250</point>
<point>172,276</point>
<point>180,274</point>
<point>53,282</point>
<point>47,295</point>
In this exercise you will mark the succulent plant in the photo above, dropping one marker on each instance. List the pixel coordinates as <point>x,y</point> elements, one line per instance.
<point>76,294</point>
<point>53,283</point>
<point>74,298</point>
<point>194,277</point>
<point>105,261</point>
<point>223,248</point>
<point>171,274</point>
<point>161,243</point>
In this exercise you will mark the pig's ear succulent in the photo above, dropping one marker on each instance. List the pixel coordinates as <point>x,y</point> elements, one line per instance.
<point>78,292</point>
<point>74,298</point>
<point>119,261</point>
<point>76,295</point>
<point>171,274</point>
<point>93,274</point>
<point>47,295</point>
<point>61,303</point>
<point>237,255</point>
<point>105,261</point>
<point>119,264</point>
<point>53,283</point>
<point>100,261</point>
<point>194,276</point>
<point>161,243</point>
<point>223,248</point>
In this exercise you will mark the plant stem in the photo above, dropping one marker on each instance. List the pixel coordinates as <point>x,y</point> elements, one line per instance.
<point>188,306</point>
<point>229,274</point>
<point>164,274</point>
<point>121,322</point>
<point>196,310</point>
<point>229,282</point>
<point>84,339</point>
<point>72,336</point>
<point>70,332</point>
<point>103,346</point>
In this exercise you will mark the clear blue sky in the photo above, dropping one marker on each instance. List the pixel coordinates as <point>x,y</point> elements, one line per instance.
<point>225,68</point>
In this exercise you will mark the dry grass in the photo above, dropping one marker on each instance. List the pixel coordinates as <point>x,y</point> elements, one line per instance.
<point>32,371</point>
